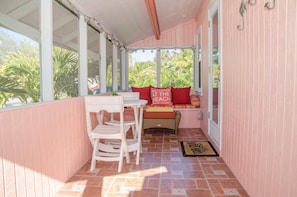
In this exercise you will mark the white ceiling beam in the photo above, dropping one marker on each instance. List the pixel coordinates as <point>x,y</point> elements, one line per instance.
<point>69,37</point>
<point>62,21</point>
<point>93,38</point>
<point>74,46</point>
<point>24,10</point>
<point>19,27</point>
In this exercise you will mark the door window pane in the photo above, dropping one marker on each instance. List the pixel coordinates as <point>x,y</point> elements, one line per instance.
<point>215,69</point>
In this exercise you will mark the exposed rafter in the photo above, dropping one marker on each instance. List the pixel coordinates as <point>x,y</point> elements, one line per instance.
<point>152,12</point>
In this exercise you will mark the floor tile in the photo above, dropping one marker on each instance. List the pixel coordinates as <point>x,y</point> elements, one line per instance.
<point>162,172</point>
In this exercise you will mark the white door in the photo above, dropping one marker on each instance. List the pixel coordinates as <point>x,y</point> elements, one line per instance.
<point>214,99</point>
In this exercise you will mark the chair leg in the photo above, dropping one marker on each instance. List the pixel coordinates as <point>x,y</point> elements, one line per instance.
<point>126,151</point>
<point>135,134</point>
<point>95,149</point>
<point>122,150</point>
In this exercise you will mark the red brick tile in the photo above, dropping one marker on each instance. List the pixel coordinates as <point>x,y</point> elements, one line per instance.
<point>202,184</point>
<point>230,183</point>
<point>93,192</point>
<point>146,193</point>
<point>216,188</point>
<point>162,171</point>
<point>199,192</point>
<point>184,183</point>
<point>193,174</point>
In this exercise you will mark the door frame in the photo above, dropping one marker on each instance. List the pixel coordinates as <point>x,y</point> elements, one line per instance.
<point>213,6</point>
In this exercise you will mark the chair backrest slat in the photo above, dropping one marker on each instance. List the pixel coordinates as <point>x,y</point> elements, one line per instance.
<point>110,104</point>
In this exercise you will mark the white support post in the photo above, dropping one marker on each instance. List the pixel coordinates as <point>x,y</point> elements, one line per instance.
<point>114,67</point>
<point>46,48</point>
<point>83,58</point>
<point>124,68</point>
<point>158,67</point>
<point>102,63</point>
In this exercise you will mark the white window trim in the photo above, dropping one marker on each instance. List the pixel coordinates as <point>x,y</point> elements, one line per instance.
<point>102,72</point>
<point>83,58</point>
<point>46,50</point>
<point>114,67</point>
<point>197,73</point>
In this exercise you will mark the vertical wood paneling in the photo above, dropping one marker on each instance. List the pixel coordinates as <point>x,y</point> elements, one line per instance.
<point>2,185</point>
<point>41,147</point>
<point>259,97</point>
<point>181,35</point>
<point>20,154</point>
<point>36,150</point>
<point>202,19</point>
<point>8,157</point>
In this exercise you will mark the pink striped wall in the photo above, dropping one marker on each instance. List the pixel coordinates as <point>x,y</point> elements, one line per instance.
<point>259,93</point>
<point>42,146</point>
<point>203,21</point>
<point>181,35</point>
<point>259,97</point>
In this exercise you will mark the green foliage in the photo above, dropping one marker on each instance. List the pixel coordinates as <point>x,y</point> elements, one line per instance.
<point>142,74</point>
<point>65,73</point>
<point>109,74</point>
<point>7,44</point>
<point>215,68</point>
<point>20,71</point>
<point>20,76</point>
<point>176,70</point>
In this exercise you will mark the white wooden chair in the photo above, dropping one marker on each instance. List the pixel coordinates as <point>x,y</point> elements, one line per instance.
<point>127,96</point>
<point>101,150</point>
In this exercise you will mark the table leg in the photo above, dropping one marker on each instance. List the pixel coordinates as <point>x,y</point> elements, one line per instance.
<point>139,134</point>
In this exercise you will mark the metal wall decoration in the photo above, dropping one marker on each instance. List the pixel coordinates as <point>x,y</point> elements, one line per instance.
<point>270,5</point>
<point>242,10</point>
<point>252,3</point>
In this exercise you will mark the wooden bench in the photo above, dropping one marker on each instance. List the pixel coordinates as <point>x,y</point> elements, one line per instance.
<point>169,120</point>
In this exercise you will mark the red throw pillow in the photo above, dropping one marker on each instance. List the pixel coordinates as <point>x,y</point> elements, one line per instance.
<point>181,95</point>
<point>161,96</point>
<point>144,93</point>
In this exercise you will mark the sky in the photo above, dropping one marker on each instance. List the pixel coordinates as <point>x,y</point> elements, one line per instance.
<point>14,35</point>
<point>143,55</point>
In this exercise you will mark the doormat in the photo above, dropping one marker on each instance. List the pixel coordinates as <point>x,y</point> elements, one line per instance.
<point>198,148</point>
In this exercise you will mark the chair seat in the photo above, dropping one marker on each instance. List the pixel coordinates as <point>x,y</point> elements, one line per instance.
<point>117,122</point>
<point>108,131</point>
<point>130,123</point>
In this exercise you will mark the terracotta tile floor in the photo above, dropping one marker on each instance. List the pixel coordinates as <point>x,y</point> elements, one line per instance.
<point>163,172</point>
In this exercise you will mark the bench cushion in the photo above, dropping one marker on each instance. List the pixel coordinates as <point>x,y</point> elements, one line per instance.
<point>159,115</point>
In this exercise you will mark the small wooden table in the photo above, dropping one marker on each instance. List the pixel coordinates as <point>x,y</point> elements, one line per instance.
<point>168,120</point>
